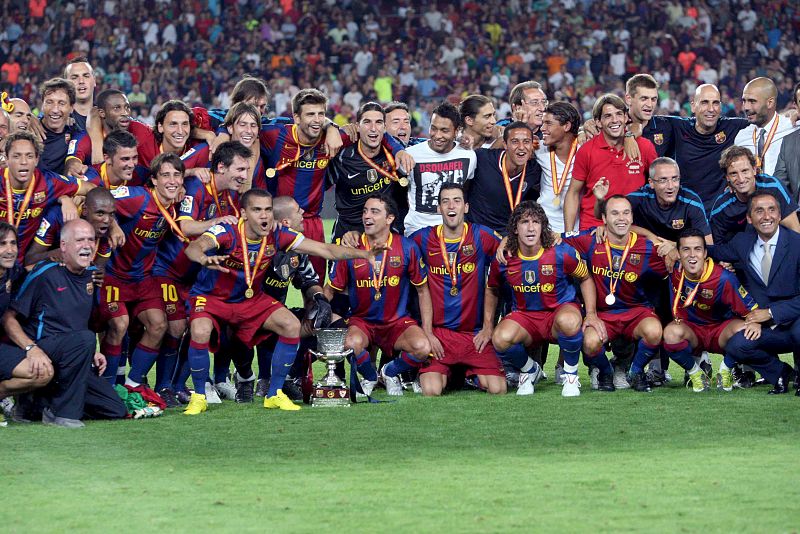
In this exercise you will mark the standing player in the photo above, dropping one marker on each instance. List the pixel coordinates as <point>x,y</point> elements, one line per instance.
<point>362,170</point>
<point>503,178</point>
<point>478,120</point>
<point>242,123</point>
<point>556,157</point>
<point>398,123</point>
<point>81,74</point>
<point>296,160</point>
<point>708,305</point>
<point>379,296</point>
<point>58,98</point>
<point>145,215</point>
<point>729,214</point>
<point>114,113</point>
<point>621,266</point>
<point>119,165</point>
<point>528,102</point>
<point>458,256</point>
<point>602,159</point>
<point>545,307</point>
<point>438,161</point>
<point>228,292</point>
<point>203,206</point>
<point>171,133</point>
<point>26,191</point>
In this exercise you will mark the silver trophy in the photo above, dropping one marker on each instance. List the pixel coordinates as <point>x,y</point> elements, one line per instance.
<point>331,390</point>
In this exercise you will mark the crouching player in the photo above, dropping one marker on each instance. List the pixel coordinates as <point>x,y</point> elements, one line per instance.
<point>458,255</point>
<point>228,292</point>
<point>379,296</point>
<point>545,307</point>
<point>708,304</point>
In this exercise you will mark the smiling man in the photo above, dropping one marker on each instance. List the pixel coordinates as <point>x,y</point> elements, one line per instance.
<point>729,214</point>
<point>58,99</point>
<point>602,160</point>
<point>556,157</point>
<point>80,72</point>
<point>478,120</point>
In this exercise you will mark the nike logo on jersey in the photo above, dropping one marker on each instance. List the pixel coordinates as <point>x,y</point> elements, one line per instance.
<point>146,216</point>
<point>351,176</point>
<point>599,251</point>
<point>431,253</point>
<point>357,265</point>
<point>513,272</point>
<point>60,289</point>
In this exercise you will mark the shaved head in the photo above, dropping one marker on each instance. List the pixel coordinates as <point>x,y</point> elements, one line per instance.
<point>765,85</point>
<point>759,101</point>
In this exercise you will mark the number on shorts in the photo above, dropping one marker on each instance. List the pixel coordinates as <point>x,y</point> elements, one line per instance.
<point>169,293</point>
<point>112,294</point>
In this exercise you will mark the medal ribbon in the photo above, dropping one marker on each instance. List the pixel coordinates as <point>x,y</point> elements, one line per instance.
<point>612,283</point>
<point>377,282</point>
<point>169,218</point>
<point>558,182</point>
<point>513,200</point>
<point>768,141</point>
<point>446,256</point>
<point>215,196</point>
<point>104,176</point>
<point>691,296</point>
<point>250,275</point>
<point>15,219</point>
<point>390,175</point>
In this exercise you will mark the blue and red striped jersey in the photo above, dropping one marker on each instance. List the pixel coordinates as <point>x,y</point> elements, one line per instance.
<point>47,187</point>
<point>643,262</point>
<point>462,312</point>
<point>49,232</point>
<point>540,282</point>
<point>401,263</point>
<point>231,286</point>
<point>720,296</point>
<point>144,228</point>
<point>97,175</point>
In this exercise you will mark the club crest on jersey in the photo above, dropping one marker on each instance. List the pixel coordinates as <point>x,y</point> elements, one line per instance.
<point>547,270</point>
<point>39,197</point>
<point>269,250</point>
<point>294,261</point>
<point>395,261</point>
<point>677,224</point>
<point>171,308</point>
<point>720,138</point>
<point>631,277</point>
<point>89,288</point>
<point>468,267</point>
<point>635,259</point>
<point>707,293</point>
<point>372,176</point>
<point>468,250</point>
<point>658,139</point>
<point>530,276</point>
<point>394,281</point>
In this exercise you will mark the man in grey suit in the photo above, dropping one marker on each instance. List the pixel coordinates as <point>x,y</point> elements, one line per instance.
<point>787,170</point>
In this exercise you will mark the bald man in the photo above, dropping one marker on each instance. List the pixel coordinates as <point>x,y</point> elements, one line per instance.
<point>765,133</point>
<point>47,323</point>
<point>20,115</point>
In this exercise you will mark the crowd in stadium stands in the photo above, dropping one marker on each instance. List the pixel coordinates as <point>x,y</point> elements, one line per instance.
<point>582,174</point>
<point>415,52</point>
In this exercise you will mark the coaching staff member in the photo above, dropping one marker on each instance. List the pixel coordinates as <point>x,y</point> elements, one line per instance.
<point>48,324</point>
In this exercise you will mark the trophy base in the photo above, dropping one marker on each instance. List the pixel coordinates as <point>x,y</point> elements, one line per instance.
<point>330,396</point>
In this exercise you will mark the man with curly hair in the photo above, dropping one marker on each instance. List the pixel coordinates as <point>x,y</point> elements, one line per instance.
<point>545,304</point>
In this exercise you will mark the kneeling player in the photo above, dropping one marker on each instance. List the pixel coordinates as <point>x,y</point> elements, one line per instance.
<point>379,295</point>
<point>458,255</point>
<point>708,304</point>
<point>545,307</point>
<point>228,292</point>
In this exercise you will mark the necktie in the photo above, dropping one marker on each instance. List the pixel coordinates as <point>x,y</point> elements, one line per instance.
<point>766,262</point>
<point>761,140</point>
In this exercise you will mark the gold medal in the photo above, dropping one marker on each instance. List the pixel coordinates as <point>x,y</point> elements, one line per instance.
<point>453,291</point>
<point>249,293</point>
<point>169,216</point>
<point>403,181</point>
<point>271,173</point>
<point>250,274</point>
<point>451,262</point>
<point>391,175</point>
<point>557,201</point>
<point>560,181</point>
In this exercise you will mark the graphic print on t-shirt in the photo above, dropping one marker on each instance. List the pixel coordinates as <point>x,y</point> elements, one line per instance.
<point>430,176</point>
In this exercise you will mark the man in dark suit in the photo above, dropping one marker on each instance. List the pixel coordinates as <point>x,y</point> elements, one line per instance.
<point>787,169</point>
<point>769,257</point>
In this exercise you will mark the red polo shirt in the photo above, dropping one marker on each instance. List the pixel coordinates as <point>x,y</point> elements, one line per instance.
<point>595,160</point>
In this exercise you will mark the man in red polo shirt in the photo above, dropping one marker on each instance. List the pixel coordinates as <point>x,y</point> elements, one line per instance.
<point>602,159</point>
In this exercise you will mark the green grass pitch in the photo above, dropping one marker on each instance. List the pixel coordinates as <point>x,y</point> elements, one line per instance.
<point>668,461</point>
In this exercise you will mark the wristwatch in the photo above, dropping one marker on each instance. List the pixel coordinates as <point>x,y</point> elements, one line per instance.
<point>29,347</point>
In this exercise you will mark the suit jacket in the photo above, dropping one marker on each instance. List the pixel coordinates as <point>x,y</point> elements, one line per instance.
<point>782,295</point>
<point>787,170</point>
